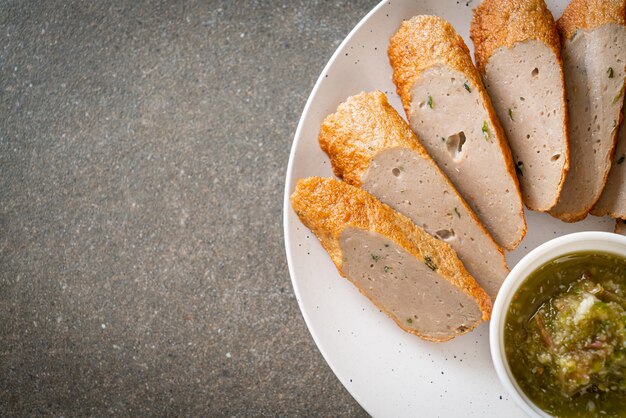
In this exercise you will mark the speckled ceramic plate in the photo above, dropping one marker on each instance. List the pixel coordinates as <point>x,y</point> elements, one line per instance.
<point>389,372</point>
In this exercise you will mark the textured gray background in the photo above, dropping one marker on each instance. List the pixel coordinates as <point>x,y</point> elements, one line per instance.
<point>143,149</point>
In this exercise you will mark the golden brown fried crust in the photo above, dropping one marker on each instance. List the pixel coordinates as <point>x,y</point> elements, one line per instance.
<point>590,14</point>
<point>498,23</point>
<point>363,126</point>
<point>328,206</point>
<point>425,41</point>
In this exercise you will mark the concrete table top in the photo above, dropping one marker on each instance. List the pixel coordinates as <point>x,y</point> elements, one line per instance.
<point>143,149</point>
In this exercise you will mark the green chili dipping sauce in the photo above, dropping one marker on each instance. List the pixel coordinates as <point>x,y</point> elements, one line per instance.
<point>565,336</point>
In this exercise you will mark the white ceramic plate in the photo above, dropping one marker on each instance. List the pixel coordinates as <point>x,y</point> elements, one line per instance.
<point>389,372</point>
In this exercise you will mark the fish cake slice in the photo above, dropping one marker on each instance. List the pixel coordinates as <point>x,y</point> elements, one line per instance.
<point>593,39</point>
<point>518,52</point>
<point>413,277</point>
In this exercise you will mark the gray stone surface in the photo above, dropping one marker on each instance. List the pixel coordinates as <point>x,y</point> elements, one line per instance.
<point>143,149</point>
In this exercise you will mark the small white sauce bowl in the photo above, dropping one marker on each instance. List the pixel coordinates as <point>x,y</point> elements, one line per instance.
<point>581,241</point>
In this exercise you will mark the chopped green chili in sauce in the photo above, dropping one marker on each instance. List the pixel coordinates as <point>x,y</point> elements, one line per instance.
<point>565,336</point>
